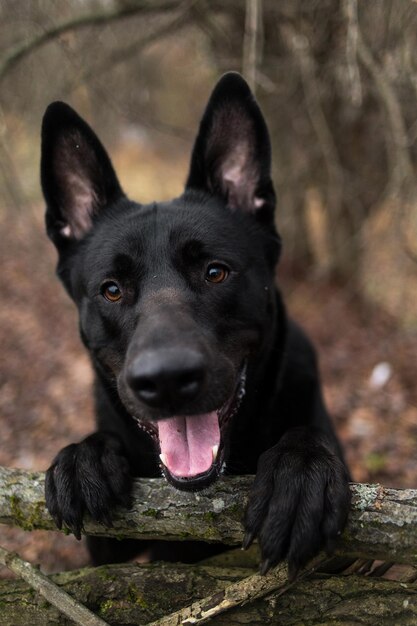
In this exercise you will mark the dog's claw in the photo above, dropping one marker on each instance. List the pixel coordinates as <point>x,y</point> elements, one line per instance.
<point>292,572</point>
<point>83,479</point>
<point>76,532</point>
<point>265,567</point>
<point>58,521</point>
<point>248,540</point>
<point>282,509</point>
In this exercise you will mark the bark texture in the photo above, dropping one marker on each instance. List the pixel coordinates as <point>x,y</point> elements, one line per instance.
<point>54,594</point>
<point>382,524</point>
<point>139,594</point>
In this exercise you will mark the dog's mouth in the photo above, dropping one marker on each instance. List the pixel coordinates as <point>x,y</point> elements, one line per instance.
<point>192,447</point>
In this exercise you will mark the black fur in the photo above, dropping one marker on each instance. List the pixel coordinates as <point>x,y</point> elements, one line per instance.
<point>179,343</point>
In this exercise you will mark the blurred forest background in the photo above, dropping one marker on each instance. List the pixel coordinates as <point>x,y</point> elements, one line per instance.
<point>337,81</point>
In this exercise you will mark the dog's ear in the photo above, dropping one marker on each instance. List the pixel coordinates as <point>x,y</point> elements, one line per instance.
<point>77,176</point>
<point>232,152</point>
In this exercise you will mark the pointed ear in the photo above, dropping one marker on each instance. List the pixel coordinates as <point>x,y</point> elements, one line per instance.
<point>232,152</point>
<point>77,176</point>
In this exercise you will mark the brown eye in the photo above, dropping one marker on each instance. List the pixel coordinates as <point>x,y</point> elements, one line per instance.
<point>111,291</point>
<point>217,273</point>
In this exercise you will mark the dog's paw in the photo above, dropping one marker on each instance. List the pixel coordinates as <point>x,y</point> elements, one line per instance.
<point>91,476</point>
<point>299,502</point>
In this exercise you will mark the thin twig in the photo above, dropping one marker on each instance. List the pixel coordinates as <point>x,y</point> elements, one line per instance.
<point>403,180</point>
<point>404,168</point>
<point>351,12</point>
<point>49,590</point>
<point>237,594</point>
<point>252,41</point>
<point>300,47</point>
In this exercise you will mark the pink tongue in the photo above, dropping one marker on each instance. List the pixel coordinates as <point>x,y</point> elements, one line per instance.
<point>187,441</point>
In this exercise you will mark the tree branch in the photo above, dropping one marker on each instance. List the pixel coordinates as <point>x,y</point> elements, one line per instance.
<point>247,590</point>
<point>351,13</point>
<point>382,524</point>
<point>403,179</point>
<point>403,169</point>
<point>299,46</point>
<point>139,594</point>
<point>49,590</point>
<point>252,41</point>
<point>336,184</point>
<point>133,7</point>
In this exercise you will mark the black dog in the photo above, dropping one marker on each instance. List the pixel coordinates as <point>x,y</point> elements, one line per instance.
<point>198,370</point>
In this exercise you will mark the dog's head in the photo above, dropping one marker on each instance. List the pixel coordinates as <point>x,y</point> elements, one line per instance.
<point>174,297</point>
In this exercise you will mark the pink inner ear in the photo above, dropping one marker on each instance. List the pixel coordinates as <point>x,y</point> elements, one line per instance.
<point>239,178</point>
<point>79,198</point>
<point>231,147</point>
<point>79,204</point>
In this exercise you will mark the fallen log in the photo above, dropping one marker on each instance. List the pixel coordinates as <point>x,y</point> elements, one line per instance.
<point>382,523</point>
<point>140,594</point>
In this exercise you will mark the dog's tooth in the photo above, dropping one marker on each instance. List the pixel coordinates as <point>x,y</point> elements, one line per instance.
<point>214,451</point>
<point>163,459</point>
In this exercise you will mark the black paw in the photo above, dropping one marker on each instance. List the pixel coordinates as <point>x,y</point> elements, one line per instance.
<point>299,501</point>
<point>91,476</point>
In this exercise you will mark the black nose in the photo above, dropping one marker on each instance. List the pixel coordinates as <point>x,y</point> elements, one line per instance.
<point>167,378</point>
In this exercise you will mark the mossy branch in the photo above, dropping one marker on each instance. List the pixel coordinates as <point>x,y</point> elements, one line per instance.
<point>248,589</point>
<point>382,523</point>
<point>142,594</point>
<point>49,590</point>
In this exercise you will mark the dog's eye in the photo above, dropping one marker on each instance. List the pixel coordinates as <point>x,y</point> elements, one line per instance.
<point>217,273</point>
<point>111,291</point>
